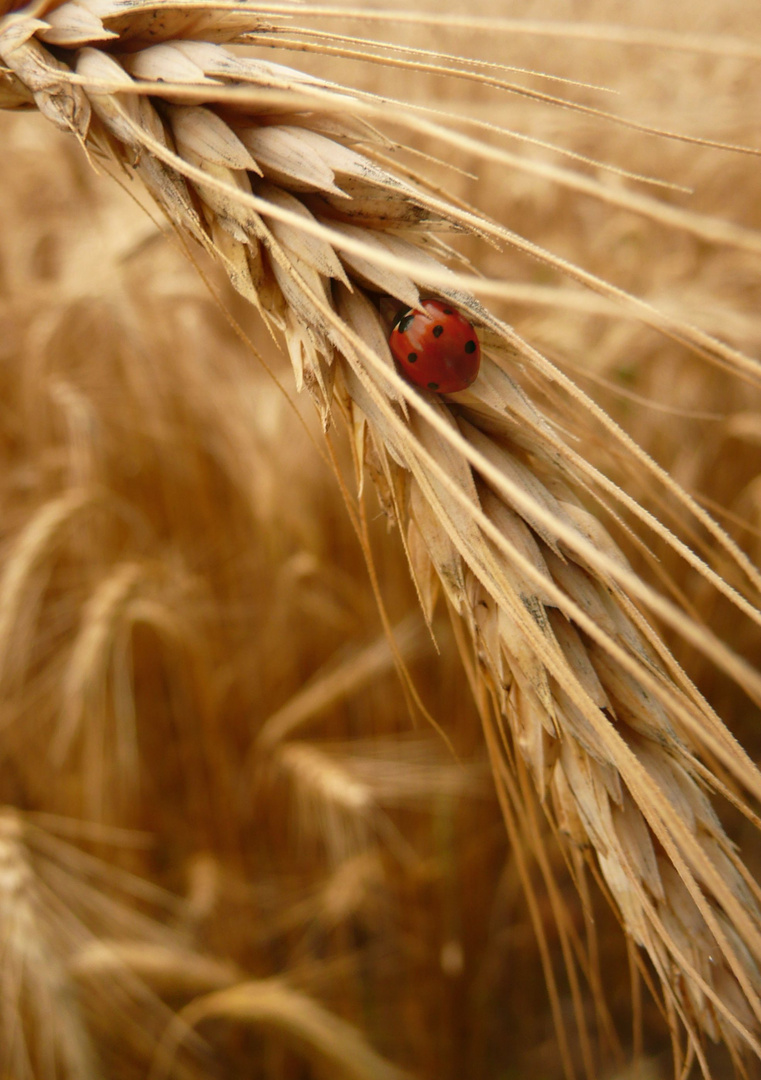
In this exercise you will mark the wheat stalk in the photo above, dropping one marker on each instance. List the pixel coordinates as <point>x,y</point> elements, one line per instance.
<point>280,176</point>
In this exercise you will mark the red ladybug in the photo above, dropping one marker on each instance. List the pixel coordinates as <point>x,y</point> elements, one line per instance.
<point>436,347</point>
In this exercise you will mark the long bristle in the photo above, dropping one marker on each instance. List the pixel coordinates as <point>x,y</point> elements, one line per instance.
<point>281,177</point>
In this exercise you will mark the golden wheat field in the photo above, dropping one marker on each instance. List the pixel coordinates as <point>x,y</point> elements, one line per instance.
<point>349,729</point>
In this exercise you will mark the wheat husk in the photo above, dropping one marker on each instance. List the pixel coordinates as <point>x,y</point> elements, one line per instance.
<point>493,502</point>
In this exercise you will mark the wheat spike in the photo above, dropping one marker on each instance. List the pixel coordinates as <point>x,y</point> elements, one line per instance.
<point>258,164</point>
<point>70,940</point>
<point>41,1025</point>
<point>57,906</point>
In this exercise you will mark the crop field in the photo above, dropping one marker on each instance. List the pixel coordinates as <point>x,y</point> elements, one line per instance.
<point>351,729</point>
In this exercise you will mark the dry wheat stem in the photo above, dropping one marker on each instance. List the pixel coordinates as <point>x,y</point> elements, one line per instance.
<point>278,177</point>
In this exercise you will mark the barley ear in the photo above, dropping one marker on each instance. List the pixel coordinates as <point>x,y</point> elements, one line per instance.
<point>258,164</point>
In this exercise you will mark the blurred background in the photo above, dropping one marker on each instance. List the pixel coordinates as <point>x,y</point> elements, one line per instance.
<point>221,794</point>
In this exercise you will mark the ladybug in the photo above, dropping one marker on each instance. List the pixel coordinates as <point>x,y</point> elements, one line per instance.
<point>436,347</point>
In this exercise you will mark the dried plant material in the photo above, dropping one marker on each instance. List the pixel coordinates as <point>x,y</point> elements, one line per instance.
<point>165,969</point>
<point>19,586</point>
<point>55,905</point>
<point>41,1021</point>
<point>325,1040</point>
<point>96,687</point>
<point>492,496</point>
<point>339,681</point>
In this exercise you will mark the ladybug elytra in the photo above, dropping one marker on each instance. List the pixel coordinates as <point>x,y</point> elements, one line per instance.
<point>436,347</point>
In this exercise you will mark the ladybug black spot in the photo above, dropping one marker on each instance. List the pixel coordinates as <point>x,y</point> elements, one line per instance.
<point>412,357</point>
<point>438,330</point>
<point>448,311</point>
<point>470,346</point>
<point>433,386</point>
